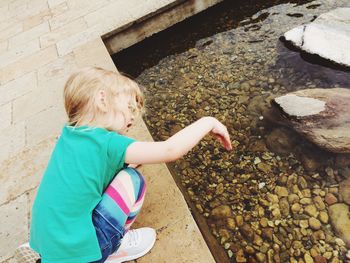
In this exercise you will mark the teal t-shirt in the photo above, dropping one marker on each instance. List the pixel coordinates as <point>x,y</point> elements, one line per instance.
<point>83,163</point>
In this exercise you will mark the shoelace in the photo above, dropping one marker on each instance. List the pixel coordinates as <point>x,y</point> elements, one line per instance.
<point>133,238</point>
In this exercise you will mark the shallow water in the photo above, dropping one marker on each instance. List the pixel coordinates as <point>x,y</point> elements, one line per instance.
<point>238,64</point>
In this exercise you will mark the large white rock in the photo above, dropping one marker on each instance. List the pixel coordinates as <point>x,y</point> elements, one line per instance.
<point>321,115</point>
<point>327,36</point>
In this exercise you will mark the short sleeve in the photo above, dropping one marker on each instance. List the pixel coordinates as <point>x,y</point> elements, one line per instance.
<point>116,150</point>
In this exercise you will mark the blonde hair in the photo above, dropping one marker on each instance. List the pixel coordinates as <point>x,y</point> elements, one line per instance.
<point>82,87</point>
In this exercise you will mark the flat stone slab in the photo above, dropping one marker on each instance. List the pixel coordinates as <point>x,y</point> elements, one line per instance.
<point>321,115</point>
<point>295,105</point>
<point>327,36</point>
<point>14,225</point>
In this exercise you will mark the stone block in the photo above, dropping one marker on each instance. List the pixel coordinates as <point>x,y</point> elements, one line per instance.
<point>17,52</point>
<point>108,18</point>
<point>37,19</point>
<point>164,202</point>
<point>63,32</point>
<point>18,87</point>
<point>28,64</point>
<point>54,3</point>
<point>45,124</point>
<point>59,9</point>
<point>3,46</point>
<point>35,101</point>
<point>5,23</point>
<point>5,115</point>
<point>24,170</point>
<point>56,73</point>
<point>12,140</point>
<point>33,8</point>
<point>33,33</point>
<point>67,45</point>
<point>14,225</point>
<point>17,5</point>
<point>94,53</point>
<point>179,241</point>
<point>76,10</point>
<point>11,31</point>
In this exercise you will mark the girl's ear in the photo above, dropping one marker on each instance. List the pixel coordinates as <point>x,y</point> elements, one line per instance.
<point>101,101</point>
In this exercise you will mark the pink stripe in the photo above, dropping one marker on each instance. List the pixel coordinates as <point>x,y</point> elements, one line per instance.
<point>122,189</point>
<point>129,221</point>
<point>118,199</point>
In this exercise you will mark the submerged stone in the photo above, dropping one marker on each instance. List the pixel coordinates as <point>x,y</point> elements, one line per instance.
<point>327,36</point>
<point>221,211</point>
<point>340,220</point>
<point>324,120</point>
<point>344,191</point>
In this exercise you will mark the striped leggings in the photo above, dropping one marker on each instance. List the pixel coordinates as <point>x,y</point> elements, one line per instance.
<point>124,197</point>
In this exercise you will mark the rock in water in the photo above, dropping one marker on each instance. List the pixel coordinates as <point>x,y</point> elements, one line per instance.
<point>344,191</point>
<point>321,115</point>
<point>340,219</point>
<point>327,36</point>
<point>295,105</point>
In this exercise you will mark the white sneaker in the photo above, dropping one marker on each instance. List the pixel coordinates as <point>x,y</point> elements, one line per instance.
<point>135,244</point>
<point>24,254</point>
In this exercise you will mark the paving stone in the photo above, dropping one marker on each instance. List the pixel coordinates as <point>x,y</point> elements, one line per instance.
<point>37,19</point>
<point>33,8</point>
<point>18,87</point>
<point>54,119</point>
<point>12,140</point>
<point>11,31</point>
<point>59,9</point>
<point>28,64</point>
<point>63,32</point>
<point>94,53</point>
<point>17,52</point>
<point>76,10</point>
<point>3,8</point>
<point>17,5</point>
<point>185,237</point>
<point>34,102</point>
<point>5,23</point>
<point>24,170</point>
<point>56,73</point>
<point>106,16</point>
<point>67,45</point>
<point>14,226</point>
<point>5,115</point>
<point>53,3</point>
<point>33,33</point>
<point>162,196</point>
<point>3,46</point>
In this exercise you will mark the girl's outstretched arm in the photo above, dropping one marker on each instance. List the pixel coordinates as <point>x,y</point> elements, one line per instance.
<point>178,144</point>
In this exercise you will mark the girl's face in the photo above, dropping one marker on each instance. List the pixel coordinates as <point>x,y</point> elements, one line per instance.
<point>124,118</point>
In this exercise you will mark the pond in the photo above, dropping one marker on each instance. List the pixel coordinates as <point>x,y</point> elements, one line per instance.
<point>229,62</point>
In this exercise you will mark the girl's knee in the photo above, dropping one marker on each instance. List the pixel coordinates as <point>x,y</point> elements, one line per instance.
<point>138,181</point>
<point>136,177</point>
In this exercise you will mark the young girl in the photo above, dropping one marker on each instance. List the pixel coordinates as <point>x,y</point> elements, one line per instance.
<point>88,197</point>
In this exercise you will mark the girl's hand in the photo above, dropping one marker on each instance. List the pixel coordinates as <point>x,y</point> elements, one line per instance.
<point>220,132</point>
